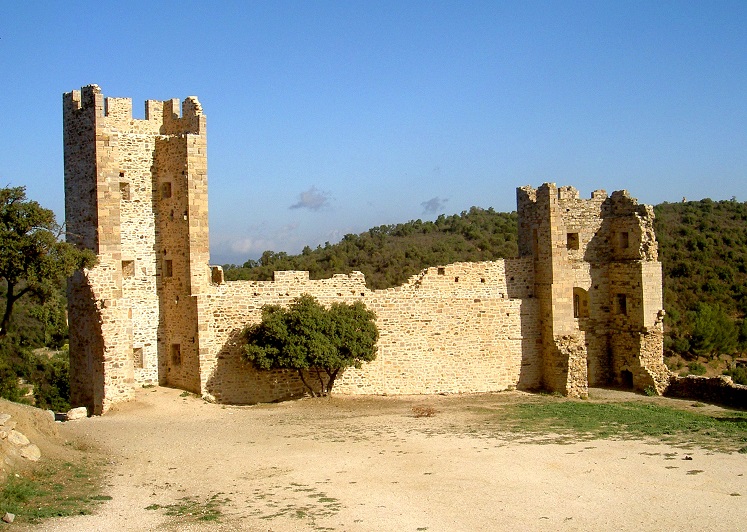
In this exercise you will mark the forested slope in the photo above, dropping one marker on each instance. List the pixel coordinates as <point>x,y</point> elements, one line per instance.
<point>389,254</point>
<point>702,247</point>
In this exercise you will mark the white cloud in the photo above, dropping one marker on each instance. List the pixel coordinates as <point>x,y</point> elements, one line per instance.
<point>434,205</point>
<point>312,199</point>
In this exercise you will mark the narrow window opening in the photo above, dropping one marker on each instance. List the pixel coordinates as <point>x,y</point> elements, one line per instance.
<point>535,243</point>
<point>580,303</point>
<point>124,191</point>
<point>128,269</point>
<point>571,241</point>
<point>137,357</point>
<point>176,354</point>
<point>168,268</point>
<point>166,190</point>
<point>624,240</point>
<point>622,304</point>
<point>456,279</point>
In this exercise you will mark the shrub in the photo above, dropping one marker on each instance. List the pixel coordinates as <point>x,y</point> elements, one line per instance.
<point>307,337</point>
<point>738,375</point>
<point>696,368</point>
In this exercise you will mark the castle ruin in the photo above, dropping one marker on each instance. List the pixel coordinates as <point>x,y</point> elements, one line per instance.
<point>580,306</point>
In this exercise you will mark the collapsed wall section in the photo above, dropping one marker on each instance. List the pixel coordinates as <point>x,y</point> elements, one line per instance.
<point>465,327</point>
<point>598,280</point>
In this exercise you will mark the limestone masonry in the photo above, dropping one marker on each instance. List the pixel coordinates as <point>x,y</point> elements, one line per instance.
<point>581,305</point>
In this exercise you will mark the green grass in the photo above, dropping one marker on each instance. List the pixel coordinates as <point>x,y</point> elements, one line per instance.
<point>56,490</point>
<point>569,420</point>
<point>208,510</point>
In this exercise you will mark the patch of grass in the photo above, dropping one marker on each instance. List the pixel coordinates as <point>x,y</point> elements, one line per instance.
<point>192,508</point>
<point>574,420</point>
<point>298,501</point>
<point>55,490</point>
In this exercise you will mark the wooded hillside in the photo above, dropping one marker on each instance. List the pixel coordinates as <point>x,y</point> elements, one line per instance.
<point>702,247</point>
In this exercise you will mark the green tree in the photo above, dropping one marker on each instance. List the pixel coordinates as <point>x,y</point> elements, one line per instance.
<point>309,338</point>
<point>713,331</point>
<point>33,259</point>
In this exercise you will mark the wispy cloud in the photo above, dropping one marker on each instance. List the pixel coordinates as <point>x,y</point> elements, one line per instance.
<point>434,205</point>
<point>312,199</point>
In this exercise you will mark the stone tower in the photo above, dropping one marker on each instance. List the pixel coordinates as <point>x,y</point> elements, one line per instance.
<point>598,281</point>
<point>135,194</point>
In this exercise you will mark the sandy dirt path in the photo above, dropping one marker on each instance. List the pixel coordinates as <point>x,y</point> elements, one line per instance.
<point>367,464</point>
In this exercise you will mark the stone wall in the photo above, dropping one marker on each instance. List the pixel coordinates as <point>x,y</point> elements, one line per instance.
<point>582,304</point>
<point>720,390</point>
<point>465,327</point>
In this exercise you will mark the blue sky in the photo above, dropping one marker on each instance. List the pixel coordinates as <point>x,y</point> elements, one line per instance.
<point>327,118</point>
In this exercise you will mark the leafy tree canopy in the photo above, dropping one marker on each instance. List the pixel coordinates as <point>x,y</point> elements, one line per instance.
<point>312,339</point>
<point>33,259</point>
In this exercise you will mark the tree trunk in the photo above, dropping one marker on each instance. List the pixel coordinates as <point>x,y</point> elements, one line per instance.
<point>321,382</point>
<point>332,377</point>
<point>303,380</point>
<point>10,299</point>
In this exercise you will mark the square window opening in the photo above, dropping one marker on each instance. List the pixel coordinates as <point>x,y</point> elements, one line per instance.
<point>572,241</point>
<point>128,269</point>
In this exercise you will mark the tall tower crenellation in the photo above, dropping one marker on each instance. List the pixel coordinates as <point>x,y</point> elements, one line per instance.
<point>136,194</point>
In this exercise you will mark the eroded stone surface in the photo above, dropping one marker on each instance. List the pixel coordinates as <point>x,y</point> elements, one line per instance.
<point>77,413</point>
<point>30,452</point>
<point>17,438</point>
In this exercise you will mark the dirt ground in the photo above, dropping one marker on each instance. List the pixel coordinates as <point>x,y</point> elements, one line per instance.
<point>368,464</point>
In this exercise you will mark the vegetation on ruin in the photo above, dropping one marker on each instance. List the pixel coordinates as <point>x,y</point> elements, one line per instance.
<point>34,263</point>
<point>311,339</point>
<point>702,247</point>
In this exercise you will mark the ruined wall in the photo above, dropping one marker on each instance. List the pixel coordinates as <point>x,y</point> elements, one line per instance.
<point>599,283</point>
<point>720,390</point>
<point>466,327</point>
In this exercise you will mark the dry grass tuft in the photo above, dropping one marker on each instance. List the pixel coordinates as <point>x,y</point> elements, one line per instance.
<point>423,411</point>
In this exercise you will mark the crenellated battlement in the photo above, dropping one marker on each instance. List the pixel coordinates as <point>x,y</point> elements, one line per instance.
<point>164,117</point>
